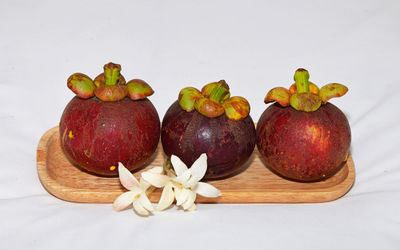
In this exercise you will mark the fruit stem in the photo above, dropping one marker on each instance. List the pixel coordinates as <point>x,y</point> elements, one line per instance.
<point>301,78</point>
<point>111,73</point>
<point>220,90</point>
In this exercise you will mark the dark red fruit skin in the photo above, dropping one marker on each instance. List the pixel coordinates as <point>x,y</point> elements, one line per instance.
<point>105,133</point>
<point>303,146</point>
<point>228,143</point>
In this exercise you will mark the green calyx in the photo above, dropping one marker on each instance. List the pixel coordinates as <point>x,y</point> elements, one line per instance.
<point>214,100</point>
<point>138,89</point>
<point>188,97</point>
<point>304,95</point>
<point>305,101</point>
<point>208,108</point>
<point>111,93</point>
<point>332,90</point>
<point>109,86</point>
<point>236,108</point>
<point>81,85</point>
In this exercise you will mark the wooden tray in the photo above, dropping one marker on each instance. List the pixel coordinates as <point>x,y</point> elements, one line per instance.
<point>257,184</point>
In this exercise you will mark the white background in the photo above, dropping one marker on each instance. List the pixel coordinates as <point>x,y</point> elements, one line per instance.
<point>254,46</point>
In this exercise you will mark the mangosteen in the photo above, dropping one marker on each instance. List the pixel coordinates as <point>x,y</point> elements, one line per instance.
<point>302,136</point>
<point>210,121</point>
<point>109,121</point>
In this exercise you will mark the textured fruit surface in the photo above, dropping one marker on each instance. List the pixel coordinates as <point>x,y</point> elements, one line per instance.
<point>303,146</point>
<point>97,135</point>
<point>228,143</point>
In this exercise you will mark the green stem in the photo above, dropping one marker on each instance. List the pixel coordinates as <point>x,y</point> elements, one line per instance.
<point>301,78</point>
<point>168,168</point>
<point>150,190</point>
<point>218,93</point>
<point>111,73</point>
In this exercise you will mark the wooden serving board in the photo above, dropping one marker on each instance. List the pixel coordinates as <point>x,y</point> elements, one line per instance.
<point>257,184</point>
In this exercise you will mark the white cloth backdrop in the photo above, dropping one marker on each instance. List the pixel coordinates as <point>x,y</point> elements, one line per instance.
<point>254,46</point>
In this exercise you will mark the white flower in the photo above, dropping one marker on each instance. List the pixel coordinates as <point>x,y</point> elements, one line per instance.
<point>137,192</point>
<point>184,186</point>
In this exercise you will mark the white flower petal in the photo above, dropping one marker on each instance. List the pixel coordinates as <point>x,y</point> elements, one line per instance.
<point>157,180</point>
<point>126,178</point>
<point>190,200</point>
<point>183,177</point>
<point>191,182</point>
<point>177,192</point>
<point>137,205</point>
<point>199,167</point>
<point>192,208</point>
<point>178,165</point>
<point>156,170</point>
<point>145,202</point>
<point>182,197</point>
<point>124,200</point>
<point>207,190</point>
<point>144,185</point>
<point>167,197</point>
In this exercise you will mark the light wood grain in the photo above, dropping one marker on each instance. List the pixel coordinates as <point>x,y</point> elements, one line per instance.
<point>257,184</point>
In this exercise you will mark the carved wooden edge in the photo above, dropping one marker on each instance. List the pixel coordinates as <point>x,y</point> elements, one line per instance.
<point>83,195</point>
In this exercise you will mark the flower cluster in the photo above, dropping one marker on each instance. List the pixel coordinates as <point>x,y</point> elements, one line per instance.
<point>182,185</point>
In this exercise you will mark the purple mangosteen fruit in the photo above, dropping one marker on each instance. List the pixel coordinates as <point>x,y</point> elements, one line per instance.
<point>210,121</point>
<point>302,136</point>
<point>109,121</point>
